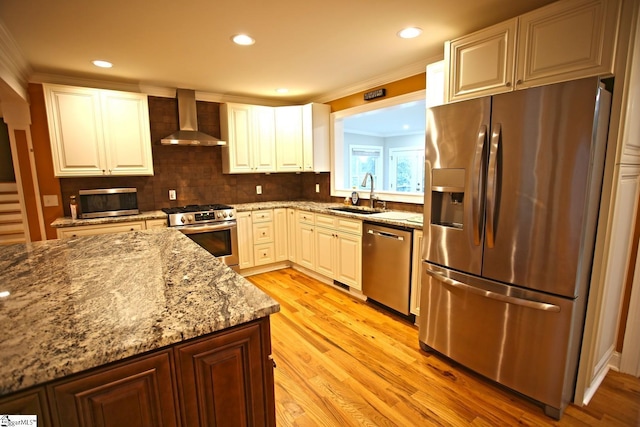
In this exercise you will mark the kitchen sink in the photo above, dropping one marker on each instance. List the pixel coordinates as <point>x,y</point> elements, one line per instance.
<point>361,211</point>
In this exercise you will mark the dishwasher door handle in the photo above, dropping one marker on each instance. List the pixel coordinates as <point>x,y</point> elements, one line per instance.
<point>385,234</point>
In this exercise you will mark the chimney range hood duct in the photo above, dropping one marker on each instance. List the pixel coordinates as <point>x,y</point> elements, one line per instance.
<point>188,117</point>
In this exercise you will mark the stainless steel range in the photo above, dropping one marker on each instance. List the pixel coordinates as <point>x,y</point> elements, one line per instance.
<point>213,227</point>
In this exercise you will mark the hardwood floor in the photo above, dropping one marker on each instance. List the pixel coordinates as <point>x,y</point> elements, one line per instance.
<point>344,362</point>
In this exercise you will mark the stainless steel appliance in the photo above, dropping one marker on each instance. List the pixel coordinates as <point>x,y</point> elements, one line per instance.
<point>213,227</point>
<point>386,265</point>
<point>107,202</point>
<point>510,215</point>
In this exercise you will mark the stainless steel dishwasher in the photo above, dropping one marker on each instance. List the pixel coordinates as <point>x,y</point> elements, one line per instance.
<point>386,265</point>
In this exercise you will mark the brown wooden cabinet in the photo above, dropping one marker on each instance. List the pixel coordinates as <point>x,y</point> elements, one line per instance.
<point>227,379</point>
<point>223,379</point>
<point>32,402</point>
<point>136,393</point>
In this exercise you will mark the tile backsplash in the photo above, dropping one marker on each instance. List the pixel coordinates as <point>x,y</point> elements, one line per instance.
<point>196,172</point>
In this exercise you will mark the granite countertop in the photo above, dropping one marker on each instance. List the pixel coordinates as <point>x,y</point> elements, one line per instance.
<point>406,219</point>
<point>142,216</point>
<point>75,304</point>
<point>403,218</point>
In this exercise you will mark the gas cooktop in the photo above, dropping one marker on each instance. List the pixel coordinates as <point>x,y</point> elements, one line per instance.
<point>199,214</point>
<point>195,208</point>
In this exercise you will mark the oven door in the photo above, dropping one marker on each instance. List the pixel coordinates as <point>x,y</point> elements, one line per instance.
<point>221,240</point>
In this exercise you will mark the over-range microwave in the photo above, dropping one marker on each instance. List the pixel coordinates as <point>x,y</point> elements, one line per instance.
<point>106,202</point>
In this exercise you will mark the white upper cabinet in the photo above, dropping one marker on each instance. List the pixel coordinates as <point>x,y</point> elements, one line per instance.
<point>482,63</point>
<point>97,132</point>
<point>250,135</point>
<point>263,139</point>
<point>315,137</point>
<point>125,119</point>
<point>289,148</point>
<point>566,40</point>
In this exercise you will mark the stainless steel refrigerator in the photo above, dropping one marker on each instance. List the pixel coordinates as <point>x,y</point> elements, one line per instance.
<point>512,193</point>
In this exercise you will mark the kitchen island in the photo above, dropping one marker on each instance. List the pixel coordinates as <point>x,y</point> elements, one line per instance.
<point>149,317</point>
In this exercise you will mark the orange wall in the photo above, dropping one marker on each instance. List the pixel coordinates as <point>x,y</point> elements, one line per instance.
<point>399,87</point>
<point>48,183</point>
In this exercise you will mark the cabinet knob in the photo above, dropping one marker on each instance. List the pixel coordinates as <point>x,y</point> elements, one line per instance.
<point>508,84</point>
<point>519,82</point>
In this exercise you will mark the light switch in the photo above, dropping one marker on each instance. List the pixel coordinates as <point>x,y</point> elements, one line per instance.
<point>317,188</point>
<point>172,194</point>
<point>258,189</point>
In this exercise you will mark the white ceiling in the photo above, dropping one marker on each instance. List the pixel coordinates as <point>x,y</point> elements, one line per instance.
<point>319,49</point>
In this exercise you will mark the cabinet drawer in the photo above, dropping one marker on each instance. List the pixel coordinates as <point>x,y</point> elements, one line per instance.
<point>264,254</point>
<point>263,232</point>
<point>262,215</point>
<point>349,225</point>
<point>306,217</point>
<point>92,230</point>
<point>326,220</point>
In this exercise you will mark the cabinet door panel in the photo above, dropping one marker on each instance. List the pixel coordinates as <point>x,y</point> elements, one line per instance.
<point>236,128</point>
<point>127,134</point>
<point>140,393</point>
<point>566,40</point>
<point>289,151</point>
<point>223,379</point>
<point>245,239</point>
<point>28,403</point>
<point>264,139</point>
<point>305,246</point>
<point>75,128</point>
<point>325,251</point>
<point>482,63</point>
<point>349,260</point>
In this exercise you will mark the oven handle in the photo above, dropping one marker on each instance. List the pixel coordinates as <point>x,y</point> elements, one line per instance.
<point>196,229</point>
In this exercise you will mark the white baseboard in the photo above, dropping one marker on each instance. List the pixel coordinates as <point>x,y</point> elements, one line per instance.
<point>613,363</point>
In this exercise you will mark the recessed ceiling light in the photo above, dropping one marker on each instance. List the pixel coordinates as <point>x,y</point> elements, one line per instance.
<point>410,32</point>
<point>102,64</point>
<point>282,90</point>
<point>243,40</point>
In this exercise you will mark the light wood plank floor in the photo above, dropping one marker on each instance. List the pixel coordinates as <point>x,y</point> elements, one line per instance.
<point>344,362</point>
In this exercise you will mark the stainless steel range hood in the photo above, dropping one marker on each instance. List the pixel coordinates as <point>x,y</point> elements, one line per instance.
<point>188,118</point>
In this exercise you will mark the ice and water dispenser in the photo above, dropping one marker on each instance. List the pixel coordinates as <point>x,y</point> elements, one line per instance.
<point>447,197</point>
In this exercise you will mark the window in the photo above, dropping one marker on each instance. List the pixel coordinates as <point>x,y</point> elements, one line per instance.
<point>385,138</point>
<point>406,170</point>
<point>363,159</point>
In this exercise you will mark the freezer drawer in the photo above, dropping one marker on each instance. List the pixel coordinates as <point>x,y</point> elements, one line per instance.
<point>516,337</point>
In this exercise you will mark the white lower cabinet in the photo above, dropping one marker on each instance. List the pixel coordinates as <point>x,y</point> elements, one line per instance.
<point>305,240</point>
<point>280,234</point>
<point>416,273</point>
<point>120,227</point>
<point>245,239</point>
<point>263,241</point>
<point>338,247</point>
<point>292,225</point>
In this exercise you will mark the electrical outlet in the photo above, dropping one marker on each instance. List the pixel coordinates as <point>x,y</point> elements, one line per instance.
<point>50,200</point>
<point>317,188</point>
<point>258,189</point>
<point>172,194</point>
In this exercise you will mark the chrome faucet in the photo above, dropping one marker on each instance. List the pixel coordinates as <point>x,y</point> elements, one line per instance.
<point>372,195</point>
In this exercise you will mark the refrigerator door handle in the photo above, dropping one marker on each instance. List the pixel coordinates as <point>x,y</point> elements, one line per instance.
<point>492,184</point>
<point>493,295</point>
<point>477,182</point>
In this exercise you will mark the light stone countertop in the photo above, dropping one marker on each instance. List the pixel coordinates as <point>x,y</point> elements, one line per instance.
<point>326,208</point>
<point>142,216</point>
<point>316,207</point>
<point>75,304</point>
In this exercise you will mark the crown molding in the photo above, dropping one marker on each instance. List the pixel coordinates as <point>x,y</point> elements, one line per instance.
<point>14,69</point>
